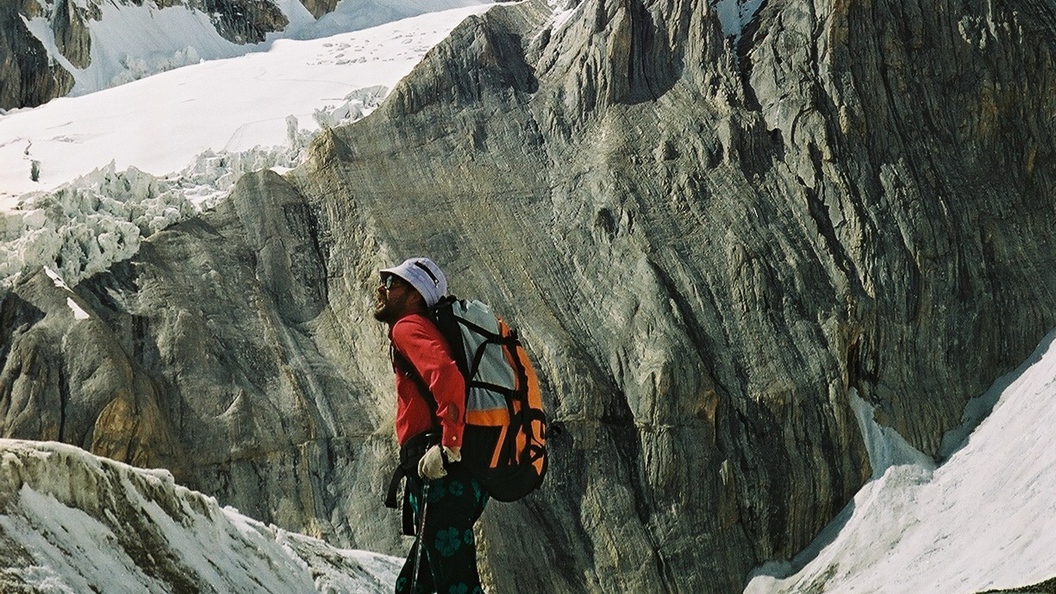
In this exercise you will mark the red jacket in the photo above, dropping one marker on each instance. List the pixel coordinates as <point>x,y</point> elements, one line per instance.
<point>418,340</point>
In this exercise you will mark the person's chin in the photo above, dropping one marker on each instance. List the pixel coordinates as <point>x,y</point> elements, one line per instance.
<point>382,314</point>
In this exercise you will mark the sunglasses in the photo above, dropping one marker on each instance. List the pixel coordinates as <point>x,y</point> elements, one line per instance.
<point>388,281</point>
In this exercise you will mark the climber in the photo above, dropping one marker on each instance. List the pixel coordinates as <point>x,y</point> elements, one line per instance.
<point>441,500</point>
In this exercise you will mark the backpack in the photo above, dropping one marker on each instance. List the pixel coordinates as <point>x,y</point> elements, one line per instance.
<point>504,444</point>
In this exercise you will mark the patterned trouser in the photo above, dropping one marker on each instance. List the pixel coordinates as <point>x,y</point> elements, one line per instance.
<point>449,565</point>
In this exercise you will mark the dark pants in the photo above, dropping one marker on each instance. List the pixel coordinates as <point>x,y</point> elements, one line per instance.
<point>449,562</point>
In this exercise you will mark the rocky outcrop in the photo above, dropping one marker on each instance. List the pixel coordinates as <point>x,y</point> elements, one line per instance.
<point>706,244</point>
<point>27,76</point>
<point>66,378</point>
<point>935,112</point>
<point>319,8</point>
<point>69,22</point>
<point>242,21</point>
<point>256,374</point>
<point>1041,588</point>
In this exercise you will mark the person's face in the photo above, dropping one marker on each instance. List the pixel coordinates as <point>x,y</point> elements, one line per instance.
<point>395,296</point>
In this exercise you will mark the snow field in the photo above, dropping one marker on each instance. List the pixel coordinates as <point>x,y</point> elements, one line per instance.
<point>983,520</point>
<point>158,150</point>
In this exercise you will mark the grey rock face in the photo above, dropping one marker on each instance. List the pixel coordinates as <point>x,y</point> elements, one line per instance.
<point>27,76</point>
<point>66,379</point>
<point>705,247</point>
<point>71,30</point>
<point>319,8</point>
<point>243,21</point>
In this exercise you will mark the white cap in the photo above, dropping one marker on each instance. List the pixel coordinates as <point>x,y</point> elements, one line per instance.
<point>424,275</point>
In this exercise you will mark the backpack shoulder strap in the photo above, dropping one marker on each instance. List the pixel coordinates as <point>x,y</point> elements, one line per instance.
<point>443,316</point>
<point>402,365</point>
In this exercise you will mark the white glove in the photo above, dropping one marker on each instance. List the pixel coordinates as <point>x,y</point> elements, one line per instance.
<point>433,464</point>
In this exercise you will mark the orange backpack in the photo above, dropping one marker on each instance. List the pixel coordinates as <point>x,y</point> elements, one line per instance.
<point>504,444</point>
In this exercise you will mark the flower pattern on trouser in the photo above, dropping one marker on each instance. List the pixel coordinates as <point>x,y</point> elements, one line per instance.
<point>456,489</point>
<point>464,589</point>
<point>448,542</point>
<point>449,561</point>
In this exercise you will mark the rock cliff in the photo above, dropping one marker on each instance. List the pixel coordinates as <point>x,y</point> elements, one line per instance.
<point>27,76</point>
<point>707,241</point>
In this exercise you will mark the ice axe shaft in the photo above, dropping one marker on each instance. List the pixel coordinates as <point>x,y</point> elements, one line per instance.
<point>421,532</point>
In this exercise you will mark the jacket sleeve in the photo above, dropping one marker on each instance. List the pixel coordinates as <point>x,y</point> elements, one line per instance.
<point>419,341</point>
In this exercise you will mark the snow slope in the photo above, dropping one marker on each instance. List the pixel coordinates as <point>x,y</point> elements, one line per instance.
<point>983,520</point>
<point>115,166</point>
<point>130,42</point>
<point>71,522</point>
<point>161,123</point>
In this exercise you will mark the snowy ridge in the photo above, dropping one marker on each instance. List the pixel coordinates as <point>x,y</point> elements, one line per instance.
<point>73,522</point>
<point>984,520</point>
